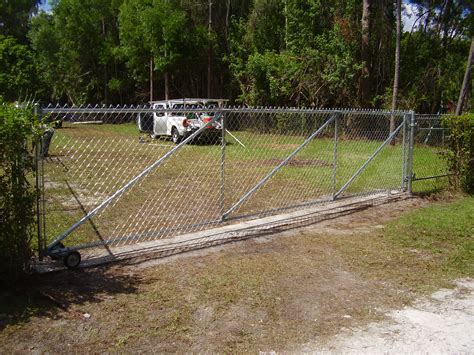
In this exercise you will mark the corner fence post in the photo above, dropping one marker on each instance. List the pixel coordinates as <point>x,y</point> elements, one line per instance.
<point>403,186</point>
<point>409,169</point>
<point>222,187</point>
<point>334,163</point>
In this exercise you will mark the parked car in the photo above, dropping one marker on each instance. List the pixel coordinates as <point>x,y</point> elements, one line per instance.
<point>178,124</point>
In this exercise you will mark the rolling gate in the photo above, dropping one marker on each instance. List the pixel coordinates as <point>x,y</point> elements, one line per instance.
<point>109,191</point>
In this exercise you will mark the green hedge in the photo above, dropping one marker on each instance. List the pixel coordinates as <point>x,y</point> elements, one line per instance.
<point>460,151</point>
<point>18,129</point>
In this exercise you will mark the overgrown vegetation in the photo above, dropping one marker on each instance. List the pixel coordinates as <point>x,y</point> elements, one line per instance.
<point>460,151</point>
<point>18,127</point>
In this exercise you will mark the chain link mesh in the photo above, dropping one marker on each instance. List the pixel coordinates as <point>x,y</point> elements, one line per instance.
<point>429,166</point>
<point>121,174</point>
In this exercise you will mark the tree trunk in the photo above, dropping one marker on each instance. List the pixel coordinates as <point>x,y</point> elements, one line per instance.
<point>106,74</point>
<point>209,54</point>
<point>445,24</point>
<point>167,96</point>
<point>396,76</point>
<point>465,82</point>
<point>286,23</point>
<point>166,77</point>
<point>151,78</point>
<point>227,32</point>
<point>364,81</point>
<point>227,15</point>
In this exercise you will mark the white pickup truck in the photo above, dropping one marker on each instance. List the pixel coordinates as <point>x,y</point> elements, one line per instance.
<point>179,125</point>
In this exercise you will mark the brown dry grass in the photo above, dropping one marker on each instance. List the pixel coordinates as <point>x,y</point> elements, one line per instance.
<point>270,293</point>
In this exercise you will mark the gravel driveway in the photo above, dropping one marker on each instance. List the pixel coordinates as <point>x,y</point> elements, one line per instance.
<point>442,323</point>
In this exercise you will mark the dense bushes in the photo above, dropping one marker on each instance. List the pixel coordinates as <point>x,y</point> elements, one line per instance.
<point>18,127</point>
<point>460,151</point>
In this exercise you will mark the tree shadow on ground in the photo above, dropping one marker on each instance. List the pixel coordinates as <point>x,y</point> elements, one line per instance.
<point>57,293</point>
<point>49,295</point>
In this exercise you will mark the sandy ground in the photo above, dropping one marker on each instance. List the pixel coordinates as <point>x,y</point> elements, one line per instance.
<point>442,323</point>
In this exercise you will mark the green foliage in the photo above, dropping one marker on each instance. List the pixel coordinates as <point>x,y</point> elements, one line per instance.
<point>17,73</point>
<point>431,72</point>
<point>266,26</point>
<point>318,75</point>
<point>308,52</point>
<point>460,151</point>
<point>157,29</point>
<point>265,52</point>
<point>76,50</point>
<point>17,196</point>
<point>14,17</point>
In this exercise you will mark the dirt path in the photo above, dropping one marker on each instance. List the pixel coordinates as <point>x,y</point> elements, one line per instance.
<point>442,323</point>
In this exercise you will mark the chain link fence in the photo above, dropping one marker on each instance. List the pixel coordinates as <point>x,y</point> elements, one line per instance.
<point>430,172</point>
<point>118,176</point>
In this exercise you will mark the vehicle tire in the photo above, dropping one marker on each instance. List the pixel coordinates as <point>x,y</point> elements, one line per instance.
<point>175,137</point>
<point>72,260</point>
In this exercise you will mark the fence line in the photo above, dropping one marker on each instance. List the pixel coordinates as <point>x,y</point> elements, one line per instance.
<point>125,175</point>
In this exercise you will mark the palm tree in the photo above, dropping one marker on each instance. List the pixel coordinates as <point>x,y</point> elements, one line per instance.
<point>396,77</point>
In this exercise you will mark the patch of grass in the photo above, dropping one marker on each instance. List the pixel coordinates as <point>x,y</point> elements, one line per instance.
<point>444,232</point>
<point>99,130</point>
<point>421,250</point>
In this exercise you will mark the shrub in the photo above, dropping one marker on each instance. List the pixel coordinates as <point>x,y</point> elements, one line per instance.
<point>18,129</point>
<point>460,151</point>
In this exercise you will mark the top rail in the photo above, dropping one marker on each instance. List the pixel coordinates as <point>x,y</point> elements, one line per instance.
<point>243,109</point>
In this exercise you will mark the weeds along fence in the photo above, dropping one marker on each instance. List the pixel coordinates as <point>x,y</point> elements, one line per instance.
<point>115,176</point>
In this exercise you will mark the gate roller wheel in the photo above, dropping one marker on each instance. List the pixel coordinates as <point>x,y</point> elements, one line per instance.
<point>72,260</point>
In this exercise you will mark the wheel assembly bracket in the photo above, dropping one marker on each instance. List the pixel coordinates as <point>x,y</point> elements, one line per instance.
<point>71,258</point>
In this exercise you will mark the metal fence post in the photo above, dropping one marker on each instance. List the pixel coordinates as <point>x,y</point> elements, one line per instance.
<point>409,170</point>
<point>404,155</point>
<point>38,185</point>
<point>222,187</point>
<point>334,164</point>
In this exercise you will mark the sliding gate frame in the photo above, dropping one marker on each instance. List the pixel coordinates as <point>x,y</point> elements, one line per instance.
<point>71,256</point>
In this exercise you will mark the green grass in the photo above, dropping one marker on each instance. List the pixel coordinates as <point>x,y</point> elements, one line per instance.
<point>428,161</point>
<point>90,162</point>
<point>443,231</point>
<point>423,249</point>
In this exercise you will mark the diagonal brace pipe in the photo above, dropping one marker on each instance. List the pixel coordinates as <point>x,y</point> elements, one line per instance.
<point>276,169</point>
<point>129,184</point>
<point>361,169</point>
